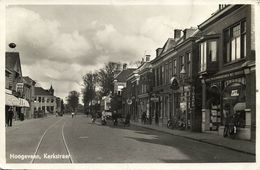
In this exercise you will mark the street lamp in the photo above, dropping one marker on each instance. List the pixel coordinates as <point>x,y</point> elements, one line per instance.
<point>182,77</point>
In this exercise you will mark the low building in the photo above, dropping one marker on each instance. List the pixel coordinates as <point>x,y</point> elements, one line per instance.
<point>44,101</point>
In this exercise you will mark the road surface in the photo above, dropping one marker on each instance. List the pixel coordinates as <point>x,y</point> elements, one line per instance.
<point>78,140</point>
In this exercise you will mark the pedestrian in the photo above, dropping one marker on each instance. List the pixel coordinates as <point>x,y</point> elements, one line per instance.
<point>10,116</point>
<point>72,114</point>
<point>127,120</point>
<point>143,117</point>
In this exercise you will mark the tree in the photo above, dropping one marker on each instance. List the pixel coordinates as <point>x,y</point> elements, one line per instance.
<point>106,77</point>
<point>89,90</point>
<point>73,100</point>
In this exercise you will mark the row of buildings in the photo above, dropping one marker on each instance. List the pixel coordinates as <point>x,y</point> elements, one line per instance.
<point>21,92</point>
<point>200,76</point>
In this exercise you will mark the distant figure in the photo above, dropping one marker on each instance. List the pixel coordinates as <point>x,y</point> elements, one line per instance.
<point>10,116</point>
<point>72,114</point>
<point>127,120</point>
<point>144,118</point>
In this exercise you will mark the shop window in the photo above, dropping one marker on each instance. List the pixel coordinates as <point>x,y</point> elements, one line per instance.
<point>235,42</point>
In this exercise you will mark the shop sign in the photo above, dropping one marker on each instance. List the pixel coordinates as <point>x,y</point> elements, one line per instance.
<point>129,101</point>
<point>155,99</point>
<point>19,87</point>
<point>234,93</point>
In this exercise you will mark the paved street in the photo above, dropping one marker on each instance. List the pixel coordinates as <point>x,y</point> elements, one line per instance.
<point>53,139</point>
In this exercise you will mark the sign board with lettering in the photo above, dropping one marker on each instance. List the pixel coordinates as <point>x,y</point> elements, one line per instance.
<point>234,93</point>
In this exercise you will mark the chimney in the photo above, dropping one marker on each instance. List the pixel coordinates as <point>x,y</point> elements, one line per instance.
<point>142,61</point>
<point>158,51</point>
<point>147,58</point>
<point>188,32</point>
<point>124,66</point>
<point>177,33</point>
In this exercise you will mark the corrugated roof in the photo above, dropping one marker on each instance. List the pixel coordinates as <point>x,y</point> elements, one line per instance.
<point>123,75</point>
<point>41,91</point>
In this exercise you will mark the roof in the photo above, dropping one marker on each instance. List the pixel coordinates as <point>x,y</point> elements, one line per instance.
<point>41,91</point>
<point>168,45</point>
<point>123,75</point>
<point>12,62</point>
<point>28,80</point>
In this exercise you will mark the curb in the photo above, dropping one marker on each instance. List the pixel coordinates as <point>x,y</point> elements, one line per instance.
<point>199,140</point>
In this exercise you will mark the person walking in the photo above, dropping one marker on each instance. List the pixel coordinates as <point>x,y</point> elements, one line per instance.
<point>10,116</point>
<point>72,114</point>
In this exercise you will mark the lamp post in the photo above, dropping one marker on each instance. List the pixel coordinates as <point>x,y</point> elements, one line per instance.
<point>182,76</point>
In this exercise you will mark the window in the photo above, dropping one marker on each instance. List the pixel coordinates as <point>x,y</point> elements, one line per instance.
<point>155,76</point>
<point>166,73</point>
<point>162,74</point>
<point>39,99</point>
<point>213,51</point>
<point>188,64</point>
<point>52,100</point>
<point>182,62</point>
<point>174,67</point>
<point>43,100</point>
<point>203,56</point>
<point>235,42</point>
<point>170,69</point>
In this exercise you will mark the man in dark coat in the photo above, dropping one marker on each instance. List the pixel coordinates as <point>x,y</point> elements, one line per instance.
<point>10,116</point>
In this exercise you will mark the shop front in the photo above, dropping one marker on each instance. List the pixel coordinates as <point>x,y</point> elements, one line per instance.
<point>225,102</point>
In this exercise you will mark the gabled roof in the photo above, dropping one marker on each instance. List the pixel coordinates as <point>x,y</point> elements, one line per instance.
<point>41,91</point>
<point>12,62</point>
<point>123,75</point>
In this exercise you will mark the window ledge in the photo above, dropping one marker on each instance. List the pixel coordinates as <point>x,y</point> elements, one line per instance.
<point>234,62</point>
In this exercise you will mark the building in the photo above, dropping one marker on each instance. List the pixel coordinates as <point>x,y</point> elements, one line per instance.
<point>145,88</point>
<point>176,60</point>
<point>120,79</point>
<point>28,94</point>
<point>14,85</point>
<point>131,92</point>
<point>119,84</point>
<point>227,69</point>
<point>44,101</point>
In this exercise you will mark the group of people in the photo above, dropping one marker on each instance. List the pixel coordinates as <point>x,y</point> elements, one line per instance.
<point>115,117</point>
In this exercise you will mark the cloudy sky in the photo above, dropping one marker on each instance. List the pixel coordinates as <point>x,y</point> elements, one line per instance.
<point>58,44</point>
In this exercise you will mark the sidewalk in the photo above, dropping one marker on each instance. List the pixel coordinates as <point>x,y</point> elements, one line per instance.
<point>213,139</point>
<point>17,123</point>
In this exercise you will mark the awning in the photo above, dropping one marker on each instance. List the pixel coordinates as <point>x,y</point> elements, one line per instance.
<point>23,103</point>
<point>240,106</point>
<point>11,100</point>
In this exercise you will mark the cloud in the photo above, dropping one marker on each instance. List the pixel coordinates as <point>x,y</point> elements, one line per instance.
<point>41,39</point>
<point>51,56</point>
